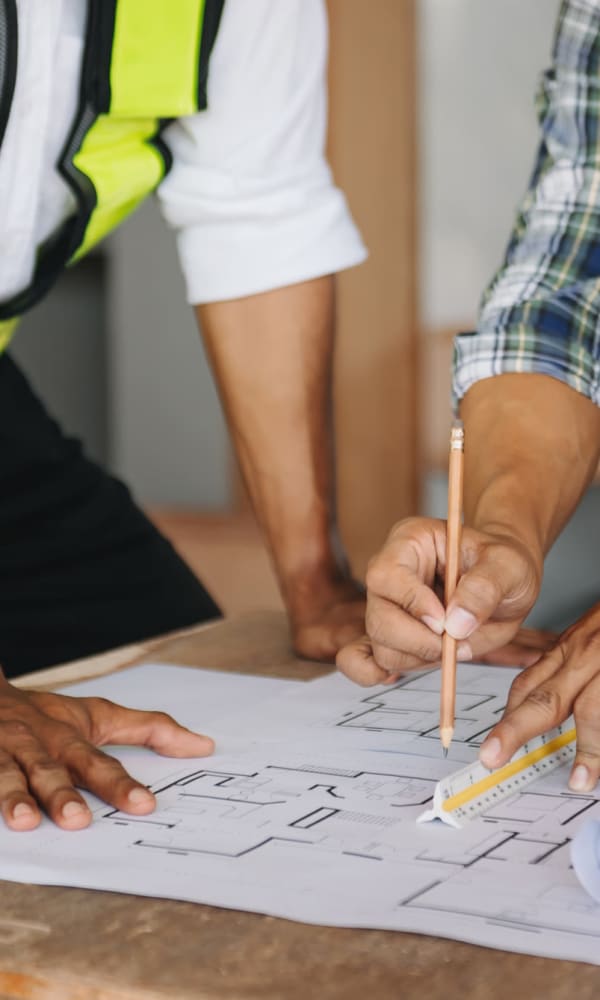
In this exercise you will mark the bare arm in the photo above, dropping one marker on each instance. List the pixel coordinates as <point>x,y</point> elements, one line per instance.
<point>272,358</point>
<point>533,448</point>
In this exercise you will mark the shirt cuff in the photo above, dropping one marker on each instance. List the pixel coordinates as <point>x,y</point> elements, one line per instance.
<point>485,354</point>
<point>227,258</point>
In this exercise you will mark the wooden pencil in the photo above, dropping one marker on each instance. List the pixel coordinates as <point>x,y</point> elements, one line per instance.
<point>453,535</point>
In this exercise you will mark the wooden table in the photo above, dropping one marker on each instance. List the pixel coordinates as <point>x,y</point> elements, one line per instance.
<point>75,944</point>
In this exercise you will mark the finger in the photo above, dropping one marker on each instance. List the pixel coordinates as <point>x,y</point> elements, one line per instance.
<point>361,663</point>
<point>111,723</point>
<point>397,661</point>
<point>502,643</point>
<point>586,766</point>
<point>399,643</point>
<point>357,662</point>
<point>513,654</point>
<point>545,705</point>
<point>323,642</point>
<point>526,648</point>
<point>537,638</point>
<point>106,777</point>
<point>48,780</point>
<point>402,572</point>
<point>535,676</point>
<point>495,579</point>
<point>389,625</point>
<point>19,809</point>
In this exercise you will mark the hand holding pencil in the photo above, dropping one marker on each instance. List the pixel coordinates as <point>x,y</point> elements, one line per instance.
<point>407,618</point>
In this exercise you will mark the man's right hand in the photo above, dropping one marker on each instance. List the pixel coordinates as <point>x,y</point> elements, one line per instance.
<point>49,747</point>
<point>498,585</point>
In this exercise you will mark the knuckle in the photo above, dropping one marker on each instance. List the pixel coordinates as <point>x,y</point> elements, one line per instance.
<point>15,729</point>
<point>411,598</point>
<point>43,768</point>
<point>590,642</point>
<point>397,662</point>
<point>547,701</point>
<point>481,591</point>
<point>97,704</point>
<point>586,710</point>
<point>377,576</point>
<point>95,760</point>
<point>74,748</point>
<point>428,654</point>
<point>375,626</point>
<point>162,718</point>
<point>587,752</point>
<point>386,659</point>
<point>522,685</point>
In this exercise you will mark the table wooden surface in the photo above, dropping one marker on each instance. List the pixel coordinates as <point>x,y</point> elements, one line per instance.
<point>74,944</point>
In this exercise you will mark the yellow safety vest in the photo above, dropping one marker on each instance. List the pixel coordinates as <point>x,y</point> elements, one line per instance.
<point>145,63</point>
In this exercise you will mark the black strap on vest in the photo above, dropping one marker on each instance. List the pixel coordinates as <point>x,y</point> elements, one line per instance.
<point>8,60</point>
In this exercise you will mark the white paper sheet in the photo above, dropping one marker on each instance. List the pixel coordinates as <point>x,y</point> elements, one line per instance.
<point>321,828</point>
<point>585,855</point>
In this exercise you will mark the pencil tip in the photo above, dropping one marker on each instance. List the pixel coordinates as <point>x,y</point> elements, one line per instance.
<point>445,751</point>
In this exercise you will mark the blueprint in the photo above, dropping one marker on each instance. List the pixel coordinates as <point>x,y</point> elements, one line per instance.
<point>308,811</point>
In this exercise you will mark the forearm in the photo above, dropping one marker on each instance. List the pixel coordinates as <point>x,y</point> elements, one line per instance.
<point>532,447</point>
<point>272,357</point>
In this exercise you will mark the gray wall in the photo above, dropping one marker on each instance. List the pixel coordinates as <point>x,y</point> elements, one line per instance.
<point>166,430</point>
<point>479,65</point>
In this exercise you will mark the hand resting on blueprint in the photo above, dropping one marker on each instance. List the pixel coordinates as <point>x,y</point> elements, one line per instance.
<point>49,745</point>
<point>565,681</point>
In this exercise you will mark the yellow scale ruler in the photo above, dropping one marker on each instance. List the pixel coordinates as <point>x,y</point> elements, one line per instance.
<point>472,790</point>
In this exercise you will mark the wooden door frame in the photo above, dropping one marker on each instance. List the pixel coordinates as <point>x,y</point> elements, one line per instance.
<point>373,151</point>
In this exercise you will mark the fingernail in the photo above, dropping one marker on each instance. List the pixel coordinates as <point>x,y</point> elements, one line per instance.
<point>71,809</point>
<point>435,624</point>
<point>580,780</point>
<point>22,809</point>
<point>139,796</point>
<point>464,651</point>
<point>460,623</point>
<point>490,751</point>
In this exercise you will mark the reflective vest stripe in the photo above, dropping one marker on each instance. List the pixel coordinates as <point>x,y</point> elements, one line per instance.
<point>118,157</point>
<point>169,40</point>
<point>145,63</point>
<point>6,332</point>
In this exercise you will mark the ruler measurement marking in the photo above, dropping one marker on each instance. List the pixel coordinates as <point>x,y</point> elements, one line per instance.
<point>535,759</point>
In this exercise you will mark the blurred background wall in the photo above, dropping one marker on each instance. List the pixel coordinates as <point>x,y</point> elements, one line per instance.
<point>434,142</point>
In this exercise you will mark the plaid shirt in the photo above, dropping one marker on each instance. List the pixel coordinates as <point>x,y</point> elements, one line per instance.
<point>541,312</point>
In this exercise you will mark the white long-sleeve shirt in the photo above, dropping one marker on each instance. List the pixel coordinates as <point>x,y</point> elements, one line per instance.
<point>250,193</point>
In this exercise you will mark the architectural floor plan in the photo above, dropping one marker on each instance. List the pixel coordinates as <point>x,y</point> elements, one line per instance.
<point>321,826</point>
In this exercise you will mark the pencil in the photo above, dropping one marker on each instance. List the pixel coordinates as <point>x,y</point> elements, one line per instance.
<point>453,533</point>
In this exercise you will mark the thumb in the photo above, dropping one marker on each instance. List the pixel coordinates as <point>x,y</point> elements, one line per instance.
<point>496,578</point>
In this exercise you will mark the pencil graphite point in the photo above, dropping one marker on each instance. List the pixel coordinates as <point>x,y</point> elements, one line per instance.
<point>446,734</point>
<point>445,752</point>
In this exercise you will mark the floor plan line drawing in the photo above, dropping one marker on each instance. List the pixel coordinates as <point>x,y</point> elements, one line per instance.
<point>317,822</point>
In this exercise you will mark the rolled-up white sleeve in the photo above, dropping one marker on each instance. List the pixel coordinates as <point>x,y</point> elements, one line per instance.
<point>250,194</point>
